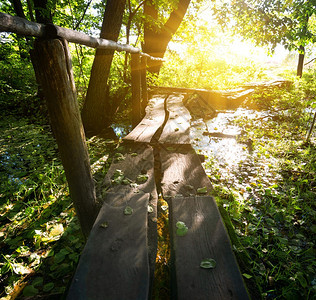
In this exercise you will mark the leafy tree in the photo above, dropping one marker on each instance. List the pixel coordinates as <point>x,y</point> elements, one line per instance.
<point>272,22</point>
<point>158,30</point>
<point>95,113</point>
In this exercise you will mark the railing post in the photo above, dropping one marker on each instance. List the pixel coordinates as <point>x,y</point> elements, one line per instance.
<point>144,84</point>
<point>55,70</point>
<point>136,88</point>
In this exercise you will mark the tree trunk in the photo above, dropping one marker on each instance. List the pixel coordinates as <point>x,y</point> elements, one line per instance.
<point>136,88</point>
<point>156,39</point>
<point>300,61</point>
<point>54,66</point>
<point>96,113</point>
<point>42,12</point>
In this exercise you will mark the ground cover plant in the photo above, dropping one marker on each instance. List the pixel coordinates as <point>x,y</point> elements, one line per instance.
<point>40,237</point>
<point>269,197</point>
<point>270,193</point>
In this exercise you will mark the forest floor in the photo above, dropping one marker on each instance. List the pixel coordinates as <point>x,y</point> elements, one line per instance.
<point>264,178</point>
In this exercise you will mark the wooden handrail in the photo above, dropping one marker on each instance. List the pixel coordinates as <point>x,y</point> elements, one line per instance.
<point>24,27</point>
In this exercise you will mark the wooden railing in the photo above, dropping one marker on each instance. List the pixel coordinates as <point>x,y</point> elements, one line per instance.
<point>52,63</point>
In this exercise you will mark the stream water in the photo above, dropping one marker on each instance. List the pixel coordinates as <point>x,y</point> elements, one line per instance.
<point>227,150</point>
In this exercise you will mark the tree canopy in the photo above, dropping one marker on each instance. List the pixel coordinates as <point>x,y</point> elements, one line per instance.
<point>269,23</point>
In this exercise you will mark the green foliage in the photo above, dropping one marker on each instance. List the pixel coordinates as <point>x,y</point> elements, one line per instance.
<point>270,193</point>
<point>205,61</point>
<point>269,23</point>
<point>18,88</point>
<point>40,234</point>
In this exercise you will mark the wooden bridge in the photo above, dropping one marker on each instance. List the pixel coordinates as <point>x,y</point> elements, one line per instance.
<point>118,260</point>
<point>119,257</point>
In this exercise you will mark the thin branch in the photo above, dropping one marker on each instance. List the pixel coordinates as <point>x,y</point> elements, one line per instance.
<point>310,61</point>
<point>84,13</point>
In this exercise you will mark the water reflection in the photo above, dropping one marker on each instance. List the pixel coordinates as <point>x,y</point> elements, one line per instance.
<point>225,147</point>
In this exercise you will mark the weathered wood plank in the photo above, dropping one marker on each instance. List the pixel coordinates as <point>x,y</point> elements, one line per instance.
<point>177,127</point>
<point>183,175</point>
<point>225,99</point>
<point>206,238</point>
<point>114,263</point>
<point>182,172</point>
<point>153,120</point>
<point>135,159</point>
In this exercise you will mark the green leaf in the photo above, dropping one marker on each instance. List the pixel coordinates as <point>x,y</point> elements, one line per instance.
<point>182,229</point>
<point>300,277</point>
<point>142,178</point>
<point>126,181</point>
<point>30,291</point>
<point>104,225</point>
<point>202,190</point>
<point>246,275</point>
<point>38,281</point>
<point>208,263</point>
<point>128,210</point>
<point>48,287</point>
<point>180,225</point>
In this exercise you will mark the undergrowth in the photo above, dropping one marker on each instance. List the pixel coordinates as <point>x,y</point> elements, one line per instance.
<point>270,194</point>
<point>40,237</point>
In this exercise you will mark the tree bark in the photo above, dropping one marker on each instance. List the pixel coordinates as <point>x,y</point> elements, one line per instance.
<point>300,61</point>
<point>136,89</point>
<point>54,66</point>
<point>156,39</point>
<point>42,12</point>
<point>96,112</point>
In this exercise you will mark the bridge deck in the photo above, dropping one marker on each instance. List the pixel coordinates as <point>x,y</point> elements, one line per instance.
<point>119,257</point>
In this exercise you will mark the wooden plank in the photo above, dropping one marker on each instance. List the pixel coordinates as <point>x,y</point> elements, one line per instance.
<point>138,159</point>
<point>206,238</point>
<point>183,179</point>
<point>153,120</point>
<point>177,127</point>
<point>114,262</point>
<point>182,171</point>
<point>216,99</point>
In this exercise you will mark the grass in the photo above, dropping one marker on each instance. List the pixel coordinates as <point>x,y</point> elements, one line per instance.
<point>270,195</point>
<point>269,198</point>
<point>40,237</point>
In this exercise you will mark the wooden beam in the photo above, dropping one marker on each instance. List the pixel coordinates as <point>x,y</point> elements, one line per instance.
<point>135,159</point>
<point>21,26</point>
<point>153,120</point>
<point>114,263</point>
<point>206,238</point>
<point>55,70</point>
<point>177,127</point>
